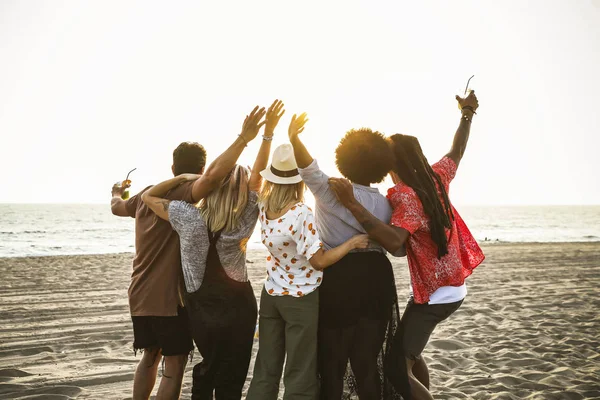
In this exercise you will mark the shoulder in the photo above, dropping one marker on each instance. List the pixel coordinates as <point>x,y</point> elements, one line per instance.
<point>183,208</point>
<point>181,192</point>
<point>446,166</point>
<point>403,198</point>
<point>400,192</point>
<point>145,189</point>
<point>300,209</point>
<point>140,193</point>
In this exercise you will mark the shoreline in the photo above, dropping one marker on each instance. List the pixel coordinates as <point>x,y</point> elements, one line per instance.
<point>483,245</point>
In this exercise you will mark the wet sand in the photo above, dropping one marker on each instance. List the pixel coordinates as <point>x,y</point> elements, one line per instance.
<point>529,328</point>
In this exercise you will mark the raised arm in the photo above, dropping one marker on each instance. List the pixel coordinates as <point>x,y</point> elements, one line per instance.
<point>303,157</point>
<point>468,106</point>
<point>154,197</point>
<point>223,164</point>
<point>390,237</point>
<point>274,113</point>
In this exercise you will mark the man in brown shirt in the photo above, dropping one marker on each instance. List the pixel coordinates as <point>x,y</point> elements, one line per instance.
<point>160,324</point>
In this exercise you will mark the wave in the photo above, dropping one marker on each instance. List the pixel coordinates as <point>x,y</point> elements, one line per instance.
<point>22,232</point>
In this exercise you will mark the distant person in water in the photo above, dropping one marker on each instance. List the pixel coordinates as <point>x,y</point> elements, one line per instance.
<point>441,250</point>
<point>357,298</point>
<point>160,326</point>
<point>214,234</point>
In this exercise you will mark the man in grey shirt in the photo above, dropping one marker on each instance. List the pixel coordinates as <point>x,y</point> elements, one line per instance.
<point>358,293</point>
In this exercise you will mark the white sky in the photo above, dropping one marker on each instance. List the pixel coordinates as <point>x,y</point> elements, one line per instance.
<point>89,90</point>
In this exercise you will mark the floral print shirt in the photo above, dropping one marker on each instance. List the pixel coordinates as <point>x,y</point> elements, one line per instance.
<point>292,240</point>
<point>427,272</point>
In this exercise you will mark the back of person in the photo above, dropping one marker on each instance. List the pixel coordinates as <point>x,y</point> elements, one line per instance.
<point>358,299</point>
<point>156,278</point>
<point>194,238</point>
<point>291,240</point>
<point>336,223</point>
<point>428,272</point>
<point>220,301</point>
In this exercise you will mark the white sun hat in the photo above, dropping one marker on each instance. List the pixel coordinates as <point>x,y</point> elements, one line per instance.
<point>283,169</point>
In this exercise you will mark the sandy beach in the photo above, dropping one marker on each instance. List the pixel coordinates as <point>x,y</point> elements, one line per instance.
<point>529,328</point>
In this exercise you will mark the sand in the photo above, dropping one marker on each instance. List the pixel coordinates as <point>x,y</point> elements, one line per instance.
<point>529,328</point>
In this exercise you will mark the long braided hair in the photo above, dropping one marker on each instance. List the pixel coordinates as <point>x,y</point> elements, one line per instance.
<point>414,170</point>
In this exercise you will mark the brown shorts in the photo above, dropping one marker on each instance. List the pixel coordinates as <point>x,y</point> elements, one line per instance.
<point>419,321</point>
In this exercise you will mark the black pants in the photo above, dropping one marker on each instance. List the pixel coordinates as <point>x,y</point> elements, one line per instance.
<point>361,344</point>
<point>358,296</point>
<point>223,330</point>
<point>418,323</point>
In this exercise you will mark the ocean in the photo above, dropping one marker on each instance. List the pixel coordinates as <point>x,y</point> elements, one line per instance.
<point>59,229</point>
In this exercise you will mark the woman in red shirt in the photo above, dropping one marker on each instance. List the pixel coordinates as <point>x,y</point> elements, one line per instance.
<point>441,251</point>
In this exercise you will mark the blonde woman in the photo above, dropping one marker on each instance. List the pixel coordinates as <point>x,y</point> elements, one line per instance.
<point>220,301</point>
<point>289,303</point>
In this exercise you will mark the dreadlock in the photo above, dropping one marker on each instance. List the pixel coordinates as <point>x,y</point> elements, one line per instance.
<point>414,170</point>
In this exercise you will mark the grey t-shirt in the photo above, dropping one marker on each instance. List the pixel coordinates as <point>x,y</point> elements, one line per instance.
<point>193,237</point>
<point>337,224</point>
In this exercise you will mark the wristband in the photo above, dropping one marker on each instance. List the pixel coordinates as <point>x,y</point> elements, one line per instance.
<point>469,108</point>
<point>245,142</point>
<point>267,138</point>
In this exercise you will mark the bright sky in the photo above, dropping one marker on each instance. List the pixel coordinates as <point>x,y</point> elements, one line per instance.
<point>90,90</point>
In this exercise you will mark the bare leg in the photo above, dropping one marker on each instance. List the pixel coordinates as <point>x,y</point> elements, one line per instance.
<point>145,374</point>
<point>417,390</point>
<point>170,383</point>
<point>421,371</point>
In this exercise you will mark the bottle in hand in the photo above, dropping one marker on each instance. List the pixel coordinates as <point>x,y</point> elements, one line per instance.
<point>126,183</point>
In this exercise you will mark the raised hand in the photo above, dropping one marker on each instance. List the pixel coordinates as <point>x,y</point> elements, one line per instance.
<point>343,190</point>
<point>252,124</point>
<point>470,102</point>
<point>297,125</point>
<point>274,114</point>
<point>119,189</point>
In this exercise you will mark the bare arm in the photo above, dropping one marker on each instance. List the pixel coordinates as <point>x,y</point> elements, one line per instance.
<point>223,164</point>
<point>154,197</point>
<point>390,237</point>
<point>303,157</point>
<point>117,206</point>
<point>274,113</point>
<point>324,258</point>
<point>461,137</point>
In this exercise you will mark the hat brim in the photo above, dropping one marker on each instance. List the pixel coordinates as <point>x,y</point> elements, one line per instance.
<point>268,175</point>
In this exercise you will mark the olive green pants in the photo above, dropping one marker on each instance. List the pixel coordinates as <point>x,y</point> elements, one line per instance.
<point>287,331</point>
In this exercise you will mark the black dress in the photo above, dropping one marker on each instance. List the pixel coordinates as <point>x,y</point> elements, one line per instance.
<point>358,321</point>
<point>222,316</point>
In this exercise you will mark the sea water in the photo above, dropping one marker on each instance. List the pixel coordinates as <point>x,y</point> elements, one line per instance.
<point>58,229</point>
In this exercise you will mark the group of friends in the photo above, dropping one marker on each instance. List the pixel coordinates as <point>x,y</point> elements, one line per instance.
<point>328,319</point>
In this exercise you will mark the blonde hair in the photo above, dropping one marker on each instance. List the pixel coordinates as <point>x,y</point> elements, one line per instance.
<point>223,208</point>
<point>275,197</point>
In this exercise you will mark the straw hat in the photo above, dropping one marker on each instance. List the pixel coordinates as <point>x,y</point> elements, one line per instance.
<point>283,169</point>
